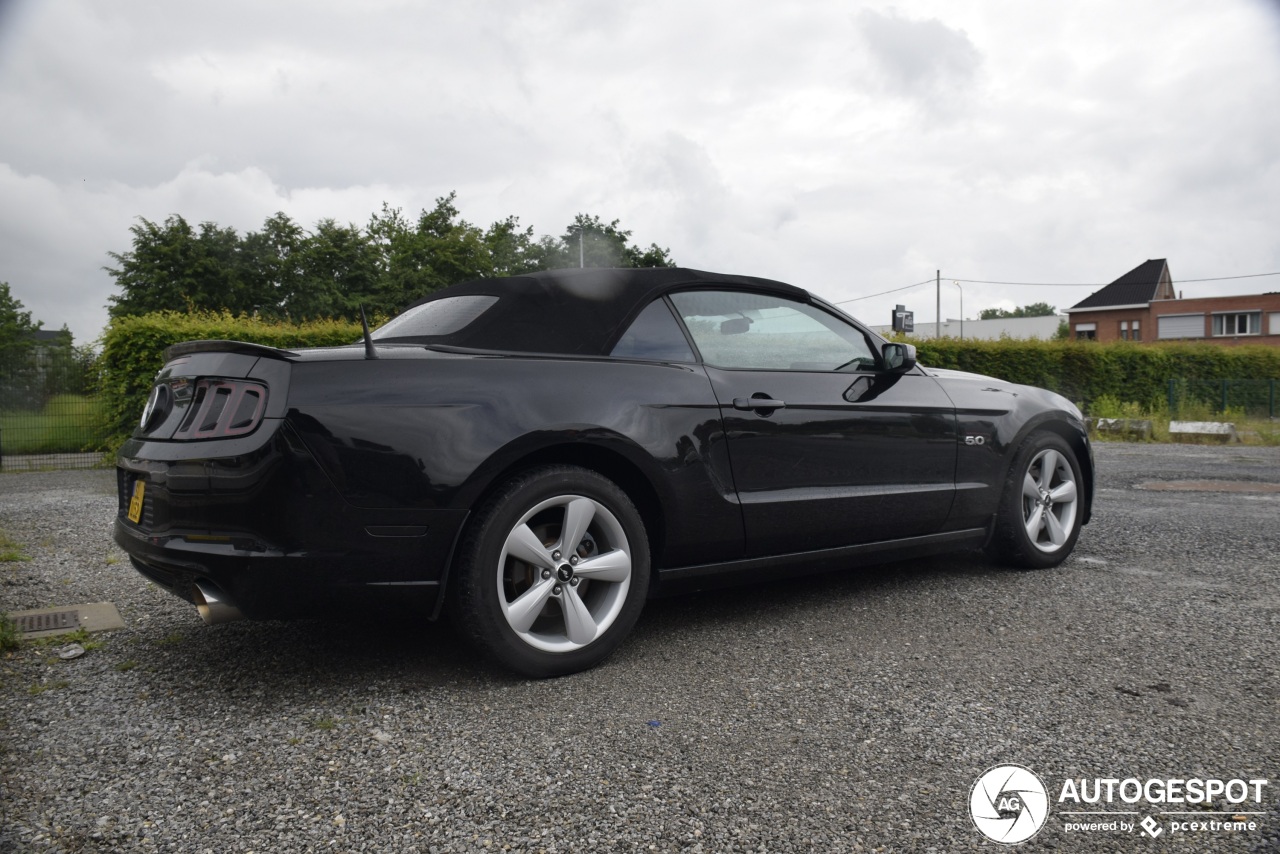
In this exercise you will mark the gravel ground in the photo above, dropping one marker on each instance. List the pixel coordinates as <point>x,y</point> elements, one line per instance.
<point>840,713</point>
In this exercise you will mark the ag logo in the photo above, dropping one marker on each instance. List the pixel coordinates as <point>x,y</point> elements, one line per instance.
<point>1008,804</point>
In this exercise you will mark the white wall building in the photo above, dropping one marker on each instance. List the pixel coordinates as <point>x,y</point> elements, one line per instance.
<point>1006,327</point>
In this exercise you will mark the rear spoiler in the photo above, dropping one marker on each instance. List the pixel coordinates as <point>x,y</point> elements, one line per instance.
<point>188,348</point>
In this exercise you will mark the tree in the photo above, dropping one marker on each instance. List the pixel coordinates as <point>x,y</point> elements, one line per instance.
<point>1035,309</point>
<point>174,267</point>
<point>512,250</point>
<point>417,259</point>
<point>18,376</point>
<point>338,272</point>
<point>283,271</point>
<point>16,327</point>
<point>64,368</point>
<point>589,242</point>
<point>157,274</point>
<point>271,265</point>
<point>600,245</point>
<point>654,256</point>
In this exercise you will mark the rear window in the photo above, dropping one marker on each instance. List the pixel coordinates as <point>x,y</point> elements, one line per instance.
<point>438,317</point>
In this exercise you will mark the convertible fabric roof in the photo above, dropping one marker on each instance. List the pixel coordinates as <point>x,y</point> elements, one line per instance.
<point>576,311</point>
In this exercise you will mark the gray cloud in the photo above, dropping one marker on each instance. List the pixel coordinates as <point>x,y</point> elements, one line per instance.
<point>850,151</point>
<point>922,59</point>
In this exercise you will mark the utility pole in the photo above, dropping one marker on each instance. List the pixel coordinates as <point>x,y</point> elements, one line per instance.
<point>937,327</point>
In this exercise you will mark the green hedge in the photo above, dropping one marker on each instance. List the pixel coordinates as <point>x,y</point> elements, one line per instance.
<point>1084,371</point>
<point>133,351</point>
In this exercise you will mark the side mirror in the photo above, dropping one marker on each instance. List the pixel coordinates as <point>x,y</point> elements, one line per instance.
<point>899,358</point>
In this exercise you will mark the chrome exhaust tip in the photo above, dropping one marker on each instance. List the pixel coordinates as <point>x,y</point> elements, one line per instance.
<point>213,604</point>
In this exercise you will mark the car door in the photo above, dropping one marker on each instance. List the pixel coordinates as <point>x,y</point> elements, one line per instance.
<point>827,447</point>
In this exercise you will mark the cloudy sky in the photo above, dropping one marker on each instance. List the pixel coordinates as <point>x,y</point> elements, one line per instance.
<point>847,147</point>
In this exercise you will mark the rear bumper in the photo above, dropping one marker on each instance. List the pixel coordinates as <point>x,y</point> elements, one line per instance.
<point>239,522</point>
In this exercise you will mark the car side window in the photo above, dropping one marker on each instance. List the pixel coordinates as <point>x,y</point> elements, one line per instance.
<point>654,335</point>
<point>737,329</point>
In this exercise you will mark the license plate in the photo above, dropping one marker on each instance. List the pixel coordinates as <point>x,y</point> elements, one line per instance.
<point>135,503</point>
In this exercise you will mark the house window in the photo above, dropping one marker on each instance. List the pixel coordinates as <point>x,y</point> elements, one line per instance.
<point>1275,323</point>
<point>1238,323</point>
<point>1137,331</point>
<point>1086,331</point>
<point>1124,330</point>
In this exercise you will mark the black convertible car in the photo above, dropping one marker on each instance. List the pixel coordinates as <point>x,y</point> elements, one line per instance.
<point>538,455</point>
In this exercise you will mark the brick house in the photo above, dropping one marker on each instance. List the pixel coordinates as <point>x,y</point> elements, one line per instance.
<point>1142,305</point>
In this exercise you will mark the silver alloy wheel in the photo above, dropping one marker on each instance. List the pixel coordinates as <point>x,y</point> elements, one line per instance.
<point>1049,501</point>
<point>563,573</point>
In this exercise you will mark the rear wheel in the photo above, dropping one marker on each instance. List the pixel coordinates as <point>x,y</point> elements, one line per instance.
<point>1040,510</point>
<point>553,572</point>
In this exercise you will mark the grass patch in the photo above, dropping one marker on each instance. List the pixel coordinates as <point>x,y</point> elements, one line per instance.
<point>40,687</point>
<point>10,550</point>
<point>1251,430</point>
<point>324,724</point>
<point>79,636</point>
<point>9,637</point>
<point>126,666</point>
<point>67,424</point>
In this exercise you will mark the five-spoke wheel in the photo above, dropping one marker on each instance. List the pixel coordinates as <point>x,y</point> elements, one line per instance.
<point>1049,500</point>
<point>1039,518</point>
<point>553,572</point>
<point>564,573</point>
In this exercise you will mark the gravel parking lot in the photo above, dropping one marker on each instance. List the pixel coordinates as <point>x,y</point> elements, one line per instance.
<point>839,713</point>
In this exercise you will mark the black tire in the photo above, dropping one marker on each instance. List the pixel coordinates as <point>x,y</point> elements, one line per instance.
<point>525,599</point>
<point>1042,505</point>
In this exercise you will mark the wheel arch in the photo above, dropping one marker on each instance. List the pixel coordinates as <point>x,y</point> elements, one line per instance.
<point>1078,441</point>
<point>606,460</point>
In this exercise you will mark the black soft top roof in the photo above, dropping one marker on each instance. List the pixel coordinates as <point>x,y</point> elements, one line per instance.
<point>575,311</point>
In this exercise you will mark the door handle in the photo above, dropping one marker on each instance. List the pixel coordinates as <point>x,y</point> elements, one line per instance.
<point>757,401</point>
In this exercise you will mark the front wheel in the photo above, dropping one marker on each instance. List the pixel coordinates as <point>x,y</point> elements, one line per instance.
<point>1040,510</point>
<point>553,572</point>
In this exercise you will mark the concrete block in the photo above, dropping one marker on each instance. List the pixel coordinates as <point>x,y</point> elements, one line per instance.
<point>1222,431</point>
<point>1130,428</point>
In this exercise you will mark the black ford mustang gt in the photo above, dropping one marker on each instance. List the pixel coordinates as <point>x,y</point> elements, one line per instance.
<point>538,455</point>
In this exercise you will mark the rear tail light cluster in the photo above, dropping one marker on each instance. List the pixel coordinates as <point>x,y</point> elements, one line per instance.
<point>221,408</point>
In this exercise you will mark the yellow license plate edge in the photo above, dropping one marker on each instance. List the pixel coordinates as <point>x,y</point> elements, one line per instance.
<point>135,503</point>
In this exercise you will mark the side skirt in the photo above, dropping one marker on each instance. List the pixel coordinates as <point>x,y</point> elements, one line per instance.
<point>687,579</point>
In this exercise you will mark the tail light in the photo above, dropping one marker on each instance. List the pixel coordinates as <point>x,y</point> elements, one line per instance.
<point>221,408</point>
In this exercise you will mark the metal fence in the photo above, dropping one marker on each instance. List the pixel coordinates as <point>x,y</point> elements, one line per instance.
<point>1255,398</point>
<point>50,417</point>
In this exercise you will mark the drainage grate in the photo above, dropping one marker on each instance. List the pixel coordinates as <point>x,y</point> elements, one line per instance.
<point>51,622</point>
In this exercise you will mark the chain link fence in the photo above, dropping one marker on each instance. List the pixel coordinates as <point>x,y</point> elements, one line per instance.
<point>50,415</point>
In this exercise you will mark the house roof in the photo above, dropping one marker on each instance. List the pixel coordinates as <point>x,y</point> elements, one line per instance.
<point>1139,286</point>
